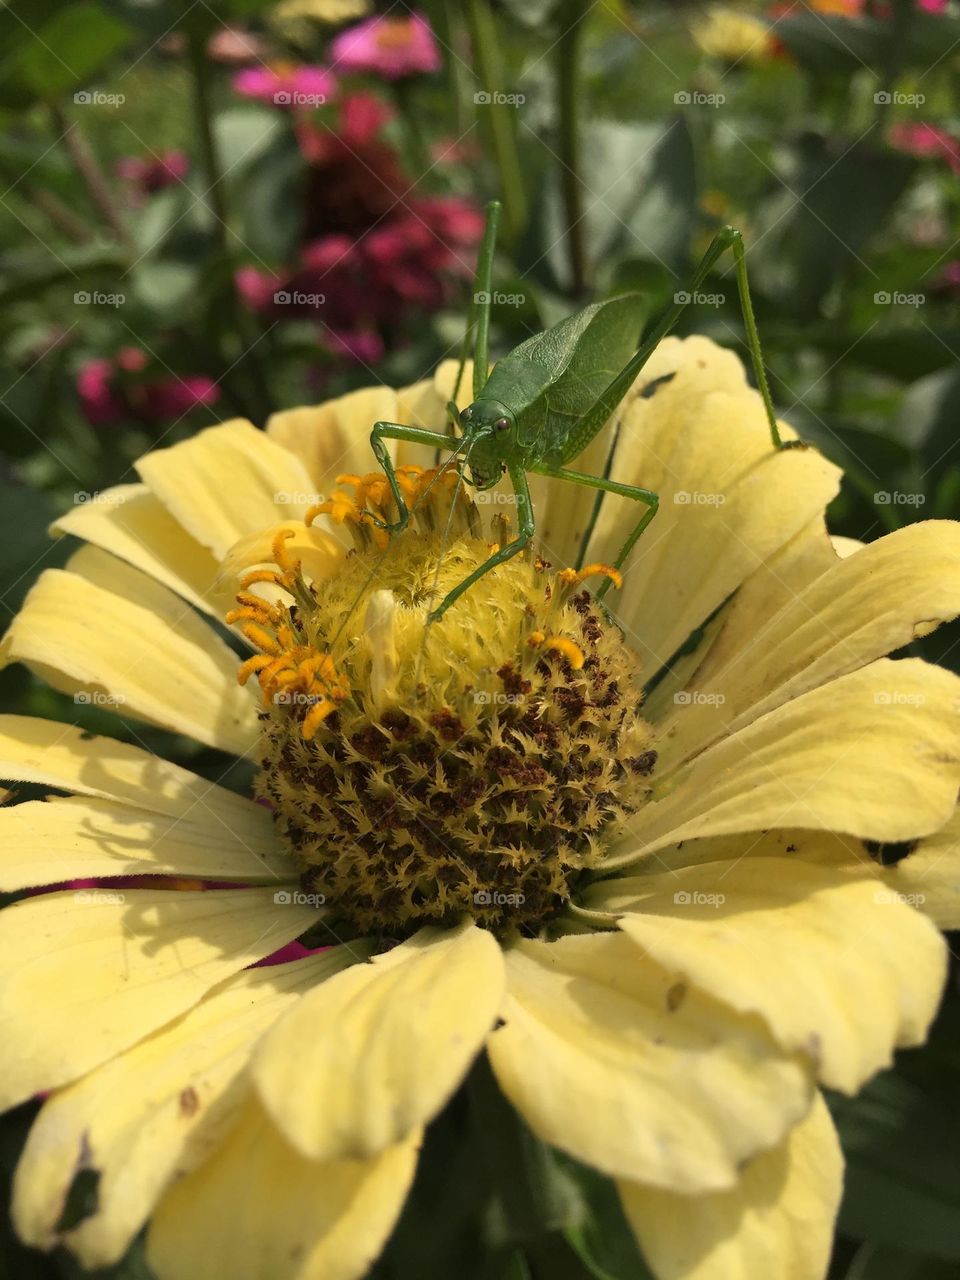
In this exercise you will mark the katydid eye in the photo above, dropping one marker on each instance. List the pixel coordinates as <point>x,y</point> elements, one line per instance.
<point>466,415</point>
<point>502,424</point>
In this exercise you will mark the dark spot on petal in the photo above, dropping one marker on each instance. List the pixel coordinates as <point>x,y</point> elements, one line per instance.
<point>189,1101</point>
<point>676,996</point>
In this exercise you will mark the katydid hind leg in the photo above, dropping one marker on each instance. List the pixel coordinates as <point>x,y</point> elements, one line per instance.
<point>650,499</point>
<point>728,238</point>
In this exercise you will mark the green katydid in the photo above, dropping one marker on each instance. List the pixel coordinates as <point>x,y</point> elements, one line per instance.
<point>542,404</point>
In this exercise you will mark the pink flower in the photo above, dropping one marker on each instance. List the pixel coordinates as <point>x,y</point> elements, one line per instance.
<point>234,45</point>
<point>147,174</point>
<point>932,6</point>
<point>388,47</point>
<point>112,391</point>
<point>286,85</point>
<point>926,141</point>
<point>948,282</point>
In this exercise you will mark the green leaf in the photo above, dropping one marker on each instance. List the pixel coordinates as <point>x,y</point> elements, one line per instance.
<point>885,1262</point>
<point>66,50</point>
<point>902,1147</point>
<point>25,547</point>
<point>603,1240</point>
<point>811,232</point>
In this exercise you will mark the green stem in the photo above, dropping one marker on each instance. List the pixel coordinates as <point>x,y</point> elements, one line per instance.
<point>216,194</point>
<point>86,165</point>
<point>203,118</point>
<point>487,64</point>
<point>569,93</point>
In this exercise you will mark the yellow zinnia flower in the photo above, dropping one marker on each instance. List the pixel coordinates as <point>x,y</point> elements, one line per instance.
<point>733,35</point>
<point>664,921</point>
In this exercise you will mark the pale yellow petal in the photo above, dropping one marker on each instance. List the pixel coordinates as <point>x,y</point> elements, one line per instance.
<point>874,754</point>
<point>375,1053</point>
<point>728,501</point>
<point>318,550</point>
<point>865,606</point>
<point>42,842</point>
<point>86,974</point>
<point>837,967</point>
<point>226,482</point>
<point>776,581</point>
<point>70,759</point>
<point>333,438</point>
<point>259,1211</point>
<point>608,1057</point>
<point>107,633</point>
<point>775,1224</point>
<point>154,1112</point>
<point>131,523</point>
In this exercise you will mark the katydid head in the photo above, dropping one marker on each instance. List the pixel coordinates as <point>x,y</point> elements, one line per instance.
<point>491,430</point>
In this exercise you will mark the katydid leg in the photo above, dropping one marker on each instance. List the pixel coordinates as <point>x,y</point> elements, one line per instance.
<point>525,531</point>
<point>412,435</point>
<point>646,496</point>
<point>608,400</point>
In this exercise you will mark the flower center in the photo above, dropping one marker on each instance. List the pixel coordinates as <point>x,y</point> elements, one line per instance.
<point>419,772</point>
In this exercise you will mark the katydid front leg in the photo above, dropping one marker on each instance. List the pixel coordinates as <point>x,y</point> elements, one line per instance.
<point>633,491</point>
<point>525,531</point>
<point>412,435</point>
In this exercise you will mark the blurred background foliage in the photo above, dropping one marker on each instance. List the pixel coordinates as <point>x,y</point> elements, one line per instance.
<point>217,209</point>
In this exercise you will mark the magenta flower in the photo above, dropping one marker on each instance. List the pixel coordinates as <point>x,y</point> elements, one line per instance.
<point>388,47</point>
<point>286,85</point>
<point>147,174</point>
<point>926,142</point>
<point>112,391</point>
